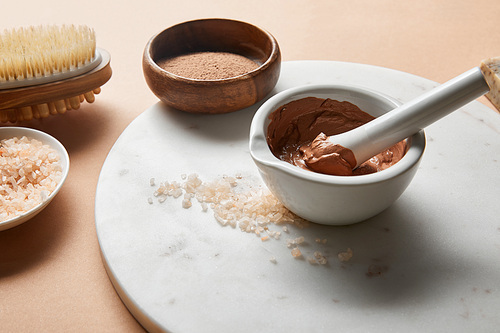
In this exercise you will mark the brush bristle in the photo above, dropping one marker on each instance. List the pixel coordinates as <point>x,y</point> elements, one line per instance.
<point>44,50</point>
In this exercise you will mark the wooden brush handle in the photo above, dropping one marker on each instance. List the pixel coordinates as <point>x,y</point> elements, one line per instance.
<point>60,90</point>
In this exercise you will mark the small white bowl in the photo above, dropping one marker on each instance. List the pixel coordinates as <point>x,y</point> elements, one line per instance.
<point>326,199</point>
<point>10,132</point>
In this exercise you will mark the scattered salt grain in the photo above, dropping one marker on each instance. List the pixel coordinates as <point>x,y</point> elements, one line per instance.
<point>177,192</point>
<point>346,255</point>
<point>322,261</point>
<point>152,182</point>
<point>252,210</point>
<point>320,258</point>
<point>295,242</point>
<point>296,253</point>
<point>273,260</point>
<point>150,200</point>
<point>186,203</point>
<point>312,261</point>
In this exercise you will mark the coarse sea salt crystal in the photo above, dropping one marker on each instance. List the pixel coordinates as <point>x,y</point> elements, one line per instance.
<point>312,261</point>
<point>345,255</point>
<point>30,172</point>
<point>252,210</point>
<point>186,203</point>
<point>320,257</point>
<point>296,253</point>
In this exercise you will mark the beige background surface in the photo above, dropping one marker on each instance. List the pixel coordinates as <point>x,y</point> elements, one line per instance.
<point>51,274</point>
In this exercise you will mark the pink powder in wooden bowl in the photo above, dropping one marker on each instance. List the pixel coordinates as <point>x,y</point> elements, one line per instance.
<point>208,65</point>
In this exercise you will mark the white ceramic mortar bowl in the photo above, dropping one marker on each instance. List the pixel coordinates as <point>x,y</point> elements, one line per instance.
<point>326,199</point>
<point>10,132</point>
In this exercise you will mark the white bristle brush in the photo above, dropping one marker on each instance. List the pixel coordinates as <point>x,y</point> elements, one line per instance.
<point>48,70</point>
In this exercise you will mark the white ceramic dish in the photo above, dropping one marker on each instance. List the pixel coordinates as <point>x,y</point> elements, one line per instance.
<point>10,132</point>
<point>428,263</point>
<point>326,199</point>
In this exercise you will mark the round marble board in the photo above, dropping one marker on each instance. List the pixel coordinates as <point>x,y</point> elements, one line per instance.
<point>428,263</point>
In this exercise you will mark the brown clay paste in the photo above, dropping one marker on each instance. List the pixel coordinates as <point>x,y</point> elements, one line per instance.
<point>297,131</point>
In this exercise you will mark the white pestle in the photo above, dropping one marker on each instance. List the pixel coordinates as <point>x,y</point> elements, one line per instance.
<point>383,132</point>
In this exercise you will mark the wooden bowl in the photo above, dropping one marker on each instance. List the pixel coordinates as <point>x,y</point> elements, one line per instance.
<point>212,35</point>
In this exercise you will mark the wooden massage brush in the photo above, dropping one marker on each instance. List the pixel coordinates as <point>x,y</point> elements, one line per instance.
<point>48,70</point>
